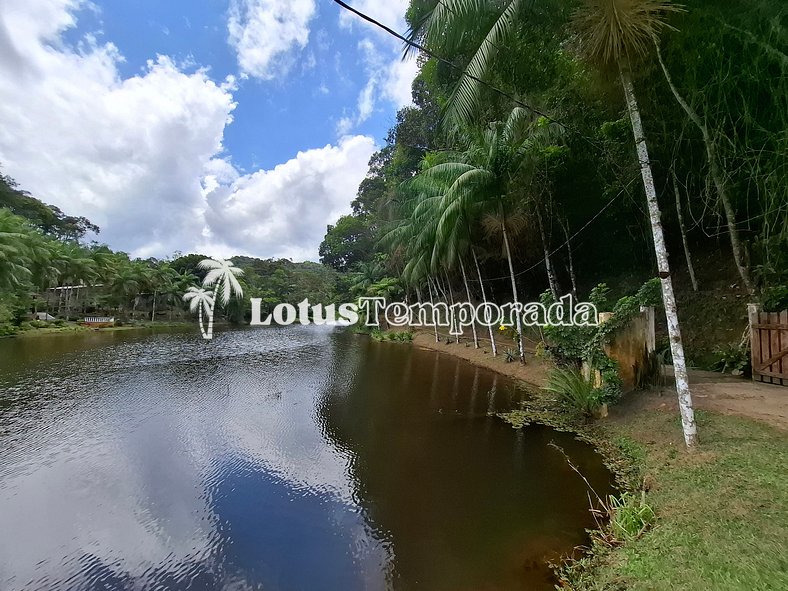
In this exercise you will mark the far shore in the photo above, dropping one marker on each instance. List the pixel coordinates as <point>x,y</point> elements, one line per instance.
<point>72,328</point>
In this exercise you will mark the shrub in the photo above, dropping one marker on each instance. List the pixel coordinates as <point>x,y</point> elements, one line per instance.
<point>574,391</point>
<point>630,515</point>
<point>732,358</point>
<point>390,335</point>
<point>775,299</point>
<point>7,329</point>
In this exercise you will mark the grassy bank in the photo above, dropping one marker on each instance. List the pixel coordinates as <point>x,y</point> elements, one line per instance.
<point>721,511</point>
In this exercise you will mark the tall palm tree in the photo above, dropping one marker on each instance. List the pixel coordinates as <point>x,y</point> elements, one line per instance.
<point>200,299</point>
<point>616,32</point>
<point>15,238</point>
<point>610,32</point>
<point>480,183</point>
<point>222,274</point>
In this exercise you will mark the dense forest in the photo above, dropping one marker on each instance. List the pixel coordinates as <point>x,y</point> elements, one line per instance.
<point>46,266</point>
<point>513,173</point>
<point>516,170</point>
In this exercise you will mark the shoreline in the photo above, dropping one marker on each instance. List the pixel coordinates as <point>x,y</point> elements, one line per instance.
<point>533,373</point>
<point>709,503</point>
<point>72,328</point>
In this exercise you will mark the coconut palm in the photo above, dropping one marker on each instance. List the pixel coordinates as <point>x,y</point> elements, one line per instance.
<point>610,33</point>
<point>222,274</point>
<point>615,33</point>
<point>200,299</point>
<point>480,183</point>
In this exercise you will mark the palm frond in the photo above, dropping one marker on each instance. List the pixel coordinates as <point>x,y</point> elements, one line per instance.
<point>611,30</point>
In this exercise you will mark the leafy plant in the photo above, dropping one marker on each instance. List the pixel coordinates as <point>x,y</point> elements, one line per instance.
<point>510,355</point>
<point>732,358</point>
<point>573,345</point>
<point>630,515</point>
<point>775,299</point>
<point>574,391</point>
<point>391,335</point>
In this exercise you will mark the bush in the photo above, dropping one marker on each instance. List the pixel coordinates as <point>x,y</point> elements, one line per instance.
<point>732,358</point>
<point>7,329</point>
<point>574,391</point>
<point>630,515</point>
<point>775,299</point>
<point>391,335</point>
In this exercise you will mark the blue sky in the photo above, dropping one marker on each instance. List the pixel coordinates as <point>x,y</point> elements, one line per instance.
<point>225,126</point>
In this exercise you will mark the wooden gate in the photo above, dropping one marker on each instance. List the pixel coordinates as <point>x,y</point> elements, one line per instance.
<point>769,345</point>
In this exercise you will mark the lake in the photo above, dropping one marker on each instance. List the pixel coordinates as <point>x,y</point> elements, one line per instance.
<point>283,458</point>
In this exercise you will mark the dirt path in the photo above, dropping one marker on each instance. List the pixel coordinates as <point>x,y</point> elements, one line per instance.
<point>720,393</point>
<point>712,391</point>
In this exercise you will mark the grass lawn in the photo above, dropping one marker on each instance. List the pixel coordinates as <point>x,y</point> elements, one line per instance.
<point>722,511</point>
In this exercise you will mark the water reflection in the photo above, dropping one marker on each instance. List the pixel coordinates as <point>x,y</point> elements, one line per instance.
<point>283,458</point>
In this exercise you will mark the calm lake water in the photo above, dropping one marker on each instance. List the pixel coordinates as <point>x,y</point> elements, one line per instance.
<point>295,458</point>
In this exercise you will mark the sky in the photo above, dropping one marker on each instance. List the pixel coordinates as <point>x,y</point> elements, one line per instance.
<point>222,127</point>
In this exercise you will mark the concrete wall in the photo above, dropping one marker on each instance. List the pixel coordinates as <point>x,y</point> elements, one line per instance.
<point>630,346</point>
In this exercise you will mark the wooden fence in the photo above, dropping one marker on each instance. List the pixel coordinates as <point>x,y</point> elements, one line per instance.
<point>769,345</point>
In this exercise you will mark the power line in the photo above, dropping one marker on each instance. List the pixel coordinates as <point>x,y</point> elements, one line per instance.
<point>443,60</point>
<point>503,93</point>
<point>567,241</point>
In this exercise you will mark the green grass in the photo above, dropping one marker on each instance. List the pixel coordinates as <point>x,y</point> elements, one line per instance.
<point>722,512</point>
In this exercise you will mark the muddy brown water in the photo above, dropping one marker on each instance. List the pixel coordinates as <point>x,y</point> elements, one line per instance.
<point>296,458</point>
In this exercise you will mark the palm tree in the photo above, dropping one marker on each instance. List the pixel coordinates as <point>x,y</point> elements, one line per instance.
<point>222,275</point>
<point>610,32</point>
<point>615,32</point>
<point>15,236</point>
<point>162,281</point>
<point>125,285</point>
<point>480,184</point>
<point>200,299</point>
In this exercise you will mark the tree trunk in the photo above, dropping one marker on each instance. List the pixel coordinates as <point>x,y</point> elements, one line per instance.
<point>716,175</point>
<point>153,311</point>
<point>674,331</point>
<point>551,278</point>
<point>571,269</point>
<point>484,299</point>
<point>432,301</point>
<point>451,303</point>
<point>690,268</point>
<point>514,293</point>
<point>468,292</point>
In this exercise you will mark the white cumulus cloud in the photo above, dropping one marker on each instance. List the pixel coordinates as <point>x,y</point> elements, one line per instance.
<point>264,33</point>
<point>127,153</point>
<point>143,156</point>
<point>284,211</point>
<point>390,13</point>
